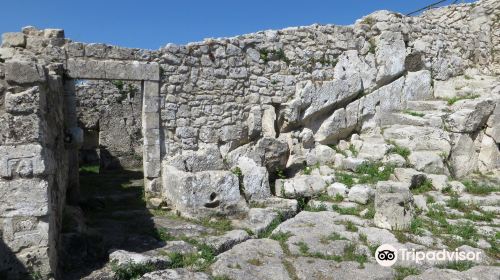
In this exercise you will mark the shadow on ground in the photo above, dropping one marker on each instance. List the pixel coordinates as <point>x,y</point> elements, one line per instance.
<point>112,216</point>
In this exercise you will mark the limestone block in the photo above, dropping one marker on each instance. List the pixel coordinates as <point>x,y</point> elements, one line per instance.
<point>360,194</point>
<point>390,56</point>
<point>489,155</point>
<point>150,120</point>
<point>151,104</point>
<point>20,129</point>
<point>53,33</point>
<point>319,98</point>
<point>96,50</point>
<point>394,209</point>
<point>85,69</point>
<point>337,189</point>
<point>24,72</point>
<point>122,257</point>
<point>152,168</point>
<point>463,156</point>
<point>469,115</point>
<point>22,161</point>
<point>333,128</point>
<point>493,129</point>
<point>274,153</point>
<point>418,86</point>
<point>13,39</point>
<point>254,122</point>
<point>305,185</point>
<point>117,70</point>
<point>427,161</point>
<point>255,179</point>
<point>25,102</point>
<point>200,191</point>
<point>268,121</point>
<point>75,49</point>
<point>24,197</point>
<point>410,176</point>
<point>24,232</point>
<point>349,63</point>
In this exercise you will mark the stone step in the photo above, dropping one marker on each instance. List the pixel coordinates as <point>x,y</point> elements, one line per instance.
<point>427,105</point>
<point>389,119</point>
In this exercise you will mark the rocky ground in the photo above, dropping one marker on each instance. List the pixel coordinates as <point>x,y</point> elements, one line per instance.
<point>324,222</point>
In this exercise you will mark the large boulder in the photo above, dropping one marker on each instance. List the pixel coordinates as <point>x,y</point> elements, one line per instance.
<point>489,155</point>
<point>427,161</point>
<point>273,152</point>
<point>463,157</point>
<point>350,63</point>
<point>469,115</point>
<point>390,56</point>
<point>208,157</point>
<point>394,208</point>
<point>255,179</point>
<point>200,193</point>
<point>418,86</point>
<point>317,99</point>
<point>333,128</point>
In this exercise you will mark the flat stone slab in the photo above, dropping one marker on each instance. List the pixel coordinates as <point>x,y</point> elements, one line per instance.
<point>175,274</point>
<point>313,268</point>
<point>252,259</point>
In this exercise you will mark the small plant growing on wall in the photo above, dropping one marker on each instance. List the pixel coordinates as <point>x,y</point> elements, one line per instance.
<point>119,85</point>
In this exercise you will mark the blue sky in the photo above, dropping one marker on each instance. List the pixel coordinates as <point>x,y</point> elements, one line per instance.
<point>153,23</point>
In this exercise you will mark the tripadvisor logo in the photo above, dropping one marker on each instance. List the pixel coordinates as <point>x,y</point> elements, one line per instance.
<point>387,255</point>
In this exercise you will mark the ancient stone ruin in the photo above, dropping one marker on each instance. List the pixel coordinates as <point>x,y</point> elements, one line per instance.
<point>282,154</point>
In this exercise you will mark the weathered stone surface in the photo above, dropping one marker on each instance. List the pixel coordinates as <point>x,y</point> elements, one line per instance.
<point>200,190</point>
<point>24,197</point>
<point>463,157</point>
<point>419,138</point>
<point>13,39</point>
<point>317,99</point>
<point>253,259</point>
<point>468,116</point>
<point>485,272</point>
<point>350,63</point>
<point>175,274</point>
<point>121,257</point>
<point>360,194</point>
<point>255,179</point>
<point>228,240</point>
<point>204,159</point>
<point>257,220</point>
<point>430,162</point>
<point>418,86</point>
<point>306,185</point>
<point>410,176</point>
<point>314,268</point>
<point>22,161</point>
<point>24,72</point>
<point>333,128</point>
<point>337,189</point>
<point>390,56</point>
<point>394,208</point>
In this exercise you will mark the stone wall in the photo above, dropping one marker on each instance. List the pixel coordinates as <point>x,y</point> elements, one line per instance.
<point>218,121</point>
<point>110,114</point>
<point>222,99</point>
<point>33,164</point>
